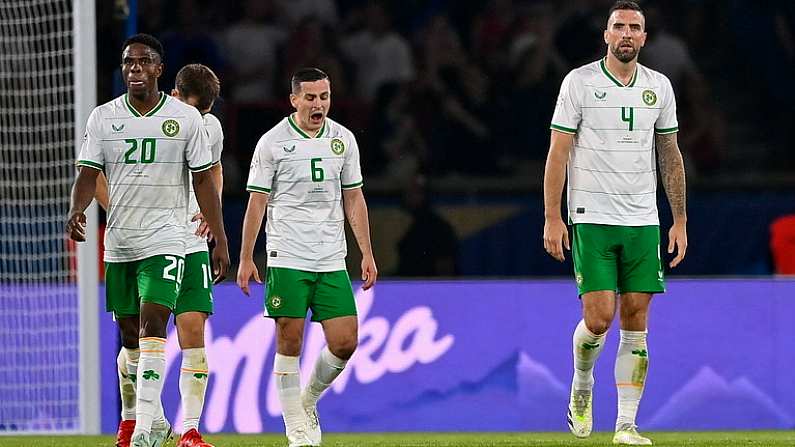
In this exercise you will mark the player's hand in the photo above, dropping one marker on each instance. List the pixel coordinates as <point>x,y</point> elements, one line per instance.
<point>220,260</point>
<point>556,237</point>
<point>76,226</point>
<point>369,272</point>
<point>677,238</point>
<point>245,271</point>
<point>204,228</point>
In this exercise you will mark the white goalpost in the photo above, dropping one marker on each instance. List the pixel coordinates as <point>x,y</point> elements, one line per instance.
<point>49,312</point>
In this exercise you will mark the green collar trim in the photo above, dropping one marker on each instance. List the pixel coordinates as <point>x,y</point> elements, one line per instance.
<point>154,110</point>
<point>301,132</point>
<point>615,79</point>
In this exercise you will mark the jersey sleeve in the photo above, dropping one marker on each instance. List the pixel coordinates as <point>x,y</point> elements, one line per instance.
<point>91,154</point>
<point>215,138</point>
<point>197,153</point>
<point>568,110</point>
<point>260,174</point>
<point>667,122</point>
<point>351,176</point>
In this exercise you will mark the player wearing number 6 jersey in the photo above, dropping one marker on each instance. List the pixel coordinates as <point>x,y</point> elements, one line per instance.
<point>305,171</point>
<point>146,142</point>
<point>611,117</point>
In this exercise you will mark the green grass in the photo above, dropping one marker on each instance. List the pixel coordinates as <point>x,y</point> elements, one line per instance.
<point>702,439</point>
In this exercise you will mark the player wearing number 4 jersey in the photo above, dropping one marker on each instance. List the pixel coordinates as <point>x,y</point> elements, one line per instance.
<point>305,171</point>
<point>146,142</point>
<point>611,117</point>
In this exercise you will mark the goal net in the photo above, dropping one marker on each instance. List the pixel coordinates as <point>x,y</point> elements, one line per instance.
<point>39,309</point>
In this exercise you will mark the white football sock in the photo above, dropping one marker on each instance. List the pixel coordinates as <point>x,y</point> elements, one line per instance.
<point>193,378</point>
<point>327,368</point>
<point>632,365</point>
<point>288,384</point>
<point>125,359</point>
<point>587,347</point>
<point>150,378</point>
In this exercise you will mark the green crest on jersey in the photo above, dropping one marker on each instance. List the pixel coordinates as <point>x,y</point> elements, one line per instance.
<point>337,146</point>
<point>649,97</point>
<point>170,128</point>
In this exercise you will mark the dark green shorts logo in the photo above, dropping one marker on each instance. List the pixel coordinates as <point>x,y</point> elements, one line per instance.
<point>337,146</point>
<point>170,128</point>
<point>276,302</point>
<point>649,97</point>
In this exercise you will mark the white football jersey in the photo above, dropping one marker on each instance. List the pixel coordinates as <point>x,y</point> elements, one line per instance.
<point>146,160</point>
<point>215,140</point>
<point>305,177</point>
<point>612,176</point>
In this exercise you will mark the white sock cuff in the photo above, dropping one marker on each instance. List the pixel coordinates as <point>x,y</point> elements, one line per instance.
<point>332,359</point>
<point>588,332</point>
<point>193,357</point>
<point>153,347</point>
<point>285,364</point>
<point>635,337</point>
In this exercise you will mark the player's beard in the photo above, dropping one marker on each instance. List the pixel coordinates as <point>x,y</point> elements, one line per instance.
<point>624,55</point>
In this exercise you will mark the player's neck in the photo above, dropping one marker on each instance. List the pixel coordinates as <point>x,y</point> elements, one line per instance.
<point>146,104</point>
<point>623,71</point>
<point>302,126</point>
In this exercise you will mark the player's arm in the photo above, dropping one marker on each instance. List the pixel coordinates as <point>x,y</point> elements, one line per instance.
<point>217,173</point>
<point>101,193</point>
<point>356,212</point>
<point>672,174</point>
<point>210,205</point>
<point>255,212</point>
<point>556,235</point>
<point>82,195</point>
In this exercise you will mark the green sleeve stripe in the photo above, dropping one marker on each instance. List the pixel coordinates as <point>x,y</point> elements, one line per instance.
<point>257,189</point>
<point>563,129</point>
<point>668,130</point>
<point>90,164</point>
<point>200,168</point>
<point>353,185</point>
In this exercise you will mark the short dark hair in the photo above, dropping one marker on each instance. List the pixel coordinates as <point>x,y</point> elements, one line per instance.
<point>199,81</point>
<point>145,39</point>
<point>309,74</point>
<point>626,4</point>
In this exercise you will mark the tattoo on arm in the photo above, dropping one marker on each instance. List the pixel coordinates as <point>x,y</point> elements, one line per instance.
<point>672,171</point>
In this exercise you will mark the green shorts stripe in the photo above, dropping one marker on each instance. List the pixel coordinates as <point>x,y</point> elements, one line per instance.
<point>196,290</point>
<point>619,258</point>
<point>291,292</point>
<point>151,280</point>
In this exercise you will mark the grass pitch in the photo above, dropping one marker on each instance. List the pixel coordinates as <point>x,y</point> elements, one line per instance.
<point>672,439</point>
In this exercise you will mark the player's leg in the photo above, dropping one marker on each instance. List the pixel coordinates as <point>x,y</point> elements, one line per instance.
<point>334,307</point>
<point>596,272</point>
<point>640,275</point>
<point>194,305</point>
<point>121,298</point>
<point>158,286</point>
<point>287,301</point>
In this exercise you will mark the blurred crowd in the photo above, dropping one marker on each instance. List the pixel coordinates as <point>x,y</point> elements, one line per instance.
<point>467,88</point>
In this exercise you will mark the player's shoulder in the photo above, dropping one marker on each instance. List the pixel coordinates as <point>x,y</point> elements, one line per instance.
<point>654,77</point>
<point>585,72</point>
<point>213,124</point>
<point>278,133</point>
<point>337,130</point>
<point>178,109</point>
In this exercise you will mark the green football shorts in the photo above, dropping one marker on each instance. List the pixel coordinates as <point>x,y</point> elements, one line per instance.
<point>616,257</point>
<point>195,292</point>
<point>290,293</point>
<point>151,280</point>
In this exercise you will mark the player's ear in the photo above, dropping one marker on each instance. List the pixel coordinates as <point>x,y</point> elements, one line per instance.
<point>160,68</point>
<point>604,36</point>
<point>294,100</point>
<point>175,93</point>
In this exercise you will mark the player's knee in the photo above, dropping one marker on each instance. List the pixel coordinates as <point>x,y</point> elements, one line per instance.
<point>598,324</point>
<point>343,347</point>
